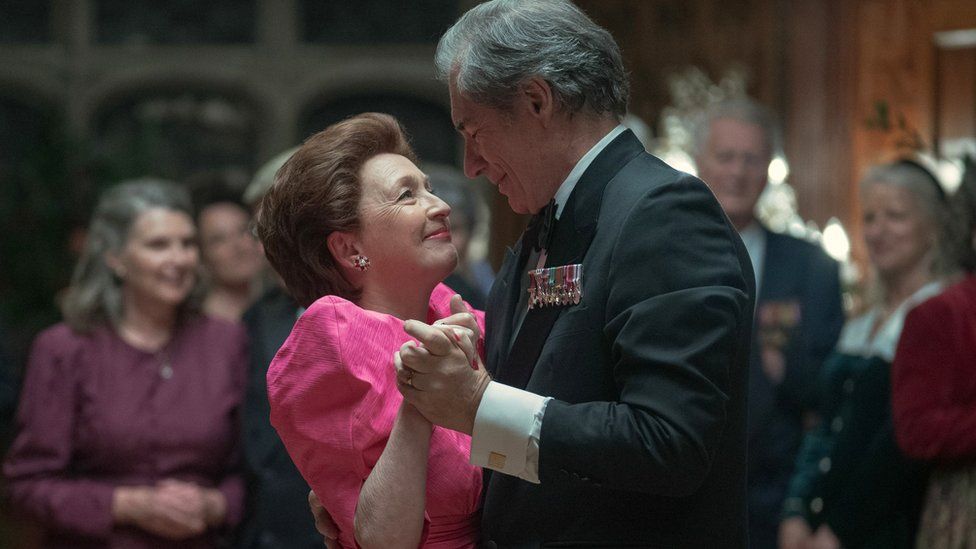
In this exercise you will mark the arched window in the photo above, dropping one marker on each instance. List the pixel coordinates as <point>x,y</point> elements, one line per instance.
<point>427,124</point>
<point>175,21</point>
<point>376,21</point>
<point>176,132</point>
<point>25,21</point>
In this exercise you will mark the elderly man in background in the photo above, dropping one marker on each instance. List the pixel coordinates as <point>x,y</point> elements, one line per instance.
<point>618,329</point>
<point>798,315</point>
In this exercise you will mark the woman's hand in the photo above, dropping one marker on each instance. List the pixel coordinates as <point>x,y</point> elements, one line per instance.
<point>156,511</point>
<point>794,533</point>
<point>172,509</point>
<point>206,503</point>
<point>323,521</point>
<point>824,538</point>
<point>461,316</point>
<point>462,327</point>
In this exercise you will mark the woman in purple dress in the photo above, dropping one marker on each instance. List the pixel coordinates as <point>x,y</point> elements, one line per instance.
<point>127,426</point>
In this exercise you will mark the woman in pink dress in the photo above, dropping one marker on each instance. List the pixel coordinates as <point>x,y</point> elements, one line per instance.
<point>358,237</point>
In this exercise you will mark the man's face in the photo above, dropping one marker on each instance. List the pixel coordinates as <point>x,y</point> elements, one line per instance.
<point>507,148</point>
<point>734,162</point>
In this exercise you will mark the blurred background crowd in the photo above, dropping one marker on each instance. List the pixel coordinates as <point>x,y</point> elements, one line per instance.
<point>834,133</point>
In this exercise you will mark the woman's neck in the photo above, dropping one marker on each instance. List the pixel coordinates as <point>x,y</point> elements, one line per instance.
<point>147,328</point>
<point>900,286</point>
<point>228,302</point>
<point>402,302</point>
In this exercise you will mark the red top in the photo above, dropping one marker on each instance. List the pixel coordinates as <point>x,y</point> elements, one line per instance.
<point>97,413</point>
<point>333,395</point>
<point>934,377</point>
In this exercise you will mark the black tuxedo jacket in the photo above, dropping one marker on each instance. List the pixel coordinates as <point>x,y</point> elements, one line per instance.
<point>277,505</point>
<point>644,442</point>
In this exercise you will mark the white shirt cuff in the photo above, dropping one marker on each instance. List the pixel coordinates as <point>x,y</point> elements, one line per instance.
<point>506,433</point>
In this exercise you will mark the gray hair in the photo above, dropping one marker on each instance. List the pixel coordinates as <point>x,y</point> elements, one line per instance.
<point>94,296</point>
<point>493,48</point>
<point>744,110</point>
<point>929,195</point>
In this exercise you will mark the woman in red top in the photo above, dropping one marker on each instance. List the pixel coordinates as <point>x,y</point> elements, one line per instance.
<point>934,395</point>
<point>354,230</point>
<point>128,421</point>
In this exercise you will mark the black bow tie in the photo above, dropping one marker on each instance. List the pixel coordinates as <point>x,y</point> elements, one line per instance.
<point>539,229</point>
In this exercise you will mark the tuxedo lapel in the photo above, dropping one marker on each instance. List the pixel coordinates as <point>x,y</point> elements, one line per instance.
<point>773,268</point>
<point>500,309</point>
<point>571,238</point>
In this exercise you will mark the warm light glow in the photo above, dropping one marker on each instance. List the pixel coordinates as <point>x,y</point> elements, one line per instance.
<point>679,160</point>
<point>835,240</point>
<point>950,174</point>
<point>779,170</point>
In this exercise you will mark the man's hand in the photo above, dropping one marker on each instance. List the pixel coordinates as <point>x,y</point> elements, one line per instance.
<point>442,376</point>
<point>323,521</point>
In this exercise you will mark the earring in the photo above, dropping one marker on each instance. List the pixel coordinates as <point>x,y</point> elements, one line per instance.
<point>361,262</point>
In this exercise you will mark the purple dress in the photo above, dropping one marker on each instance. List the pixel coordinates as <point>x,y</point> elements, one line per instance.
<point>97,413</point>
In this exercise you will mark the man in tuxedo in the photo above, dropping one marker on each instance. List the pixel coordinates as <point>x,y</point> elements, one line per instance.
<point>616,413</point>
<point>798,315</point>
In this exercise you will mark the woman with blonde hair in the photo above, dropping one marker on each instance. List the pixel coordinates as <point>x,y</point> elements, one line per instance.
<point>934,393</point>
<point>852,487</point>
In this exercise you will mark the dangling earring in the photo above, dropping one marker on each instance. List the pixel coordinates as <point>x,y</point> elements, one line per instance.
<point>361,262</point>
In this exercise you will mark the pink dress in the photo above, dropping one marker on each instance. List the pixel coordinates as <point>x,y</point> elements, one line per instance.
<point>333,401</point>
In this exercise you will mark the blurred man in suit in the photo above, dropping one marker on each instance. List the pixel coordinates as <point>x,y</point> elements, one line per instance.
<point>798,313</point>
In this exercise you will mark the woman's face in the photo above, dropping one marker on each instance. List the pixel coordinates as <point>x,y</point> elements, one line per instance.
<point>231,254</point>
<point>404,229</point>
<point>897,232</point>
<point>158,262</point>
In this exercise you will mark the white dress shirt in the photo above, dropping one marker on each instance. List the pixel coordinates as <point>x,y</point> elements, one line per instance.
<point>754,239</point>
<point>508,423</point>
<point>855,338</point>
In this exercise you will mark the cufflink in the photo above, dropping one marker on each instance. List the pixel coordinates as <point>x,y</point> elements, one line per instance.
<point>496,460</point>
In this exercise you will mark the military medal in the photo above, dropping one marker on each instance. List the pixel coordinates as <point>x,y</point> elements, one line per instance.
<point>555,286</point>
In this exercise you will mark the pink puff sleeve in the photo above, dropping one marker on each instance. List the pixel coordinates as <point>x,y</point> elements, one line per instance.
<point>333,399</point>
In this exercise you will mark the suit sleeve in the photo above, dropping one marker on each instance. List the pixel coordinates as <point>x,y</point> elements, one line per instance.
<point>822,317</point>
<point>678,307</point>
<point>929,423</point>
<point>38,467</point>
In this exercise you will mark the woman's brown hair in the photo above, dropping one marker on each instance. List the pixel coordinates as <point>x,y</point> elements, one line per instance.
<point>316,192</point>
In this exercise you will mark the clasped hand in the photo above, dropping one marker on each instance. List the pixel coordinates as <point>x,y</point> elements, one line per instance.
<point>441,373</point>
<point>172,509</point>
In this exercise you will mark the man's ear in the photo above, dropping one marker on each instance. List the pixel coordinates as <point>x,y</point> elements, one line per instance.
<point>538,97</point>
<point>344,247</point>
